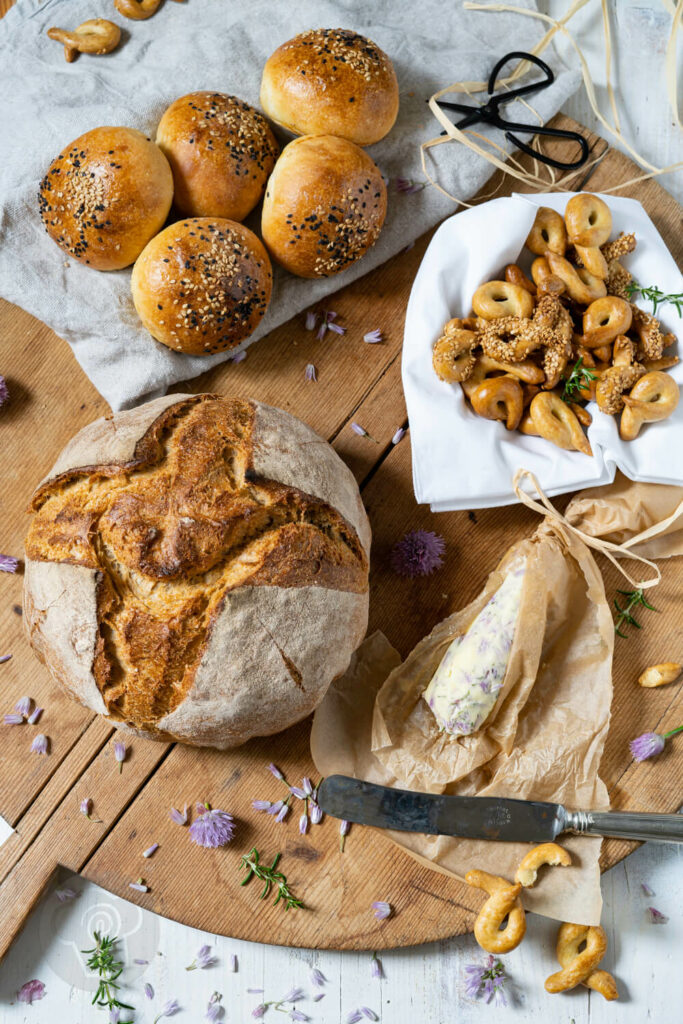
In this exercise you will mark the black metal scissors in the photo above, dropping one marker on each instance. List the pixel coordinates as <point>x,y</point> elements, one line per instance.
<point>489,113</point>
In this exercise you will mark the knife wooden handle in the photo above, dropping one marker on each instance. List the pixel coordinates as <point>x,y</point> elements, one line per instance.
<point>661,828</point>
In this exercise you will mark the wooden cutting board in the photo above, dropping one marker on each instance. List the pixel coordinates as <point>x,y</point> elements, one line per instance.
<point>40,796</point>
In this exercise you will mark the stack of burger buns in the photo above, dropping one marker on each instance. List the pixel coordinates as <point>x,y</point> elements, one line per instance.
<point>203,283</point>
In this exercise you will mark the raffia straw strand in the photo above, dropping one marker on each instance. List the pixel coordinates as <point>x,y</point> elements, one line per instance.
<point>605,547</point>
<point>608,64</point>
<point>670,63</point>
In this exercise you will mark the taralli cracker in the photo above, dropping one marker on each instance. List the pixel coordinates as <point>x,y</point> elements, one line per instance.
<point>533,861</point>
<point>503,903</point>
<point>578,967</point>
<point>660,675</point>
<point>536,349</point>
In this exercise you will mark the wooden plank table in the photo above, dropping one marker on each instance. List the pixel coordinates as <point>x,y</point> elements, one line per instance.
<point>39,797</point>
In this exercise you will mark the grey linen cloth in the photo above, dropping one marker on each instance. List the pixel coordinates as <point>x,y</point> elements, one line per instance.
<point>45,103</point>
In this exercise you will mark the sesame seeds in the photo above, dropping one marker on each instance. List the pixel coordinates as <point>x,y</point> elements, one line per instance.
<point>72,192</point>
<point>221,123</point>
<point>335,49</point>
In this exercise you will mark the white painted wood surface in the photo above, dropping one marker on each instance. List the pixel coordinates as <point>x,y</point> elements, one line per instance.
<point>422,985</point>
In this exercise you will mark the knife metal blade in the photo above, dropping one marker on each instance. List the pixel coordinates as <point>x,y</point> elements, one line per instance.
<point>474,817</point>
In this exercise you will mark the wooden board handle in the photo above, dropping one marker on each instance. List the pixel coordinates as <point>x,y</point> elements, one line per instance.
<point>19,894</point>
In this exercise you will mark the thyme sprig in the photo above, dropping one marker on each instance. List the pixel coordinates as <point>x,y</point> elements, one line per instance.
<point>655,295</point>
<point>580,377</point>
<point>635,597</point>
<point>102,960</point>
<point>270,877</point>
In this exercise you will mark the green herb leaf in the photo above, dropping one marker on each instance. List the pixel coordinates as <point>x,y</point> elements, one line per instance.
<point>270,877</point>
<point>655,295</point>
<point>102,960</point>
<point>635,598</point>
<point>580,377</point>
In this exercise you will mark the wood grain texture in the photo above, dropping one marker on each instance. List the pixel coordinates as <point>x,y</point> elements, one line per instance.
<point>51,399</point>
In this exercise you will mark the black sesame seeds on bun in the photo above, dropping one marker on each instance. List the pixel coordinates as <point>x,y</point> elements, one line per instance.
<point>221,151</point>
<point>202,285</point>
<point>324,207</point>
<point>331,81</point>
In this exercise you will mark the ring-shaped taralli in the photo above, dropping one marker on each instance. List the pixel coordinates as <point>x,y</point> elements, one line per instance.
<point>592,259</point>
<point>576,966</point>
<point>588,220</point>
<point>452,356</point>
<point>604,320</point>
<point>654,397</point>
<point>555,421</point>
<point>515,275</point>
<point>582,286</point>
<point>526,370</point>
<point>138,10</point>
<point>500,298</point>
<point>499,398</point>
<point>533,861</point>
<point>503,902</point>
<point>547,233</point>
<point>94,36</point>
<point>544,279</point>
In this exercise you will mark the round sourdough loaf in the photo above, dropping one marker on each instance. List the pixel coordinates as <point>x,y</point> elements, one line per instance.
<point>197,569</point>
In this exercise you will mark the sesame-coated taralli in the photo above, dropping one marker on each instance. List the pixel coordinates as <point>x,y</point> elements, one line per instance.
<point>202,285</point>
<point>221,152</point>
<point>105,195</point>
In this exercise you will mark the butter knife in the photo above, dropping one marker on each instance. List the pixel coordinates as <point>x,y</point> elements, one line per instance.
<point>484,817</point>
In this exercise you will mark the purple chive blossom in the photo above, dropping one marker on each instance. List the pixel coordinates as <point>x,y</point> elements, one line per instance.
<point>170,1008</point>
<point>180,817</point>
<point>368,1013</point>
<point>408,186</point>
<point>212,827</point>
<point>261,805</point>
<point>4,658</point>
<point>233,963</point>
<point>307,786</point>
<point>419,553</point>
<point>142,963</point>
<point>40,744</point>
<point>276,807</point>
<point>139,886</point>
<point>344,827</point>
<point>255,991</point>
<point>86,806</point>
<point>651,743</point>
<point>656,916</point>
<point>23,707</point>
<point>362,432</point>
<point>282,813</point>
<point>293,996</point>
<point>318,997</point>
<point>8,563</point>
<point>303,824</point>
<point>259,1011</point>
<point>316,813</point>
<point>150,850</point>
<point>647,890</point>
<point>273,768</point>
<point>115,1015</point>
<point>239,357</point>
<point>311,319</point>
<point>34,716</point>
<point>398,436</point>
<point>317,977</point>
<point>120,753</point>
<point>373,337</point>
<point>30,991</point>
<point>486,980</point>
<point>376,969</point>
<point>149,991</point>
<point>214,1010</point>
<point>382,910</point>
<point>202,960</point>
<point>311,372</point>
<point>328,324</point>
<point>354,1017</point>
<point>14,719</point>
<point>298,792</point>
<point>297,1015</point>
<point>4,391</point>
<point>65,895</point>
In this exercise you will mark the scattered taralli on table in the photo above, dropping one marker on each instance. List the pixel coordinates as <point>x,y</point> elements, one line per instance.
<point>94,36</point>
<point>503,903</point>
<point>578,968</point>
<point>533,861</point>
<point>535,349</point>
<point>660,675</point>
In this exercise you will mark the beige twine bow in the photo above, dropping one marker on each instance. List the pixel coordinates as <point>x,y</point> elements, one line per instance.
<point>543,178</point>
<point>606,547</point>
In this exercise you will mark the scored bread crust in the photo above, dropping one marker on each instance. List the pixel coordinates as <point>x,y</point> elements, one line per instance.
<point>281,610</point>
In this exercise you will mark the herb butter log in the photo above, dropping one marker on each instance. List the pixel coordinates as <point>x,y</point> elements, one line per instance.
<point>463,691</point>
<point>197,569</point>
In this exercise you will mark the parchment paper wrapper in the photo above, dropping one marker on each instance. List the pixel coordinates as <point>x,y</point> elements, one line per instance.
<point>543,740</point>
<point>647,517</point>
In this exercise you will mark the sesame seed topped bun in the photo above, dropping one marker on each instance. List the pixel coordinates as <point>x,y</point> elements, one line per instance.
<point>324,207</point>
<point>202,285</point>
<point>221,152</point>
<point>105,196</point>
<point>331,81</point>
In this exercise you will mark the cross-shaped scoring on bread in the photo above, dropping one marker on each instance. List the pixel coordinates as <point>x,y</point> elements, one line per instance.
<point>170,534</point>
